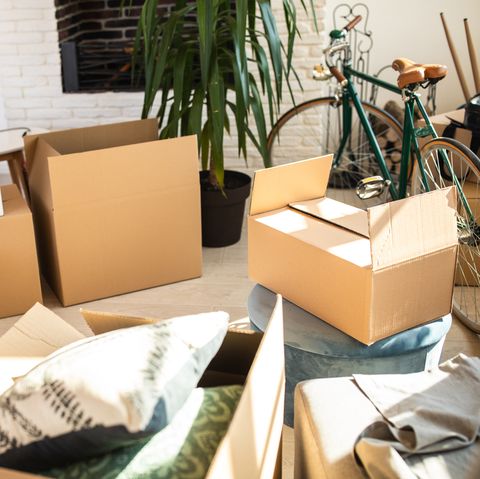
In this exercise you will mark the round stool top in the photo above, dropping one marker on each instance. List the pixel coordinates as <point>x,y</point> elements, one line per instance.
<point>307,332</point>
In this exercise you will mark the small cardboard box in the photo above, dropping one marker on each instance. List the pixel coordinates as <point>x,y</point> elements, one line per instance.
<point>251,447</point>
<point>115,209</point>
<point>369,273</point>
<point>19,278</point>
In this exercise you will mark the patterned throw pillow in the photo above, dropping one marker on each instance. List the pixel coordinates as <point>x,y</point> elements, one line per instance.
<point>183,450</point>
<point>106,391</point>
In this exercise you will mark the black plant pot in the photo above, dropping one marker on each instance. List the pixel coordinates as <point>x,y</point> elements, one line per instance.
<point>222,216</point>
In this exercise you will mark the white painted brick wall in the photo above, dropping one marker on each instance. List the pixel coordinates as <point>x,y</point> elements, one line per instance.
<point>30,74</point>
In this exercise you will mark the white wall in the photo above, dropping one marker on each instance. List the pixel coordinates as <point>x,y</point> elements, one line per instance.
<point>413,29</point>
<point>31,80</point>
<point>30,61</point>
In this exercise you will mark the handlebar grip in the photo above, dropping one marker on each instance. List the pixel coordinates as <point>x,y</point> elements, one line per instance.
<point>337,74</point>
<point>353,23</point>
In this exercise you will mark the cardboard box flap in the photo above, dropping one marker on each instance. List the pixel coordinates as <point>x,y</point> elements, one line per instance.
<point>264,386</point>
<point>279,186</point>
<point>71,175</point>
<point>100,322</point>
<point>340,242</point>
<point>38,333</point>
<point>340,214</point>
<point>39,178</point>
<point>94,137</point>
<point>413,227</point>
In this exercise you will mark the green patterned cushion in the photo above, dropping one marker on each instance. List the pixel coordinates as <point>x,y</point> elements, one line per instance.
<point>184,449</point>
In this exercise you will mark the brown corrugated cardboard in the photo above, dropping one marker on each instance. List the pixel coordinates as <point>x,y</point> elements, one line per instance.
<point>115,209</point>
<point>368,273</point>
<point>19,278</point>
<point>38,333</point>
<point>10,474</point>
<point>251,448</point>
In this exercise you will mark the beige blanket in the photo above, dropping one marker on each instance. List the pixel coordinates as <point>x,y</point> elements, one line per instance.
<point>432,423</point>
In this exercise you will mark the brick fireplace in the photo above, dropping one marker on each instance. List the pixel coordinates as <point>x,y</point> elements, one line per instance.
<point>96,39</point>
<point>31,85</point>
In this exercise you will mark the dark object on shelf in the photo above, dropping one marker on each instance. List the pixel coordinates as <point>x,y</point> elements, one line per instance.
<point>222,215</point>
<point>472,114</point>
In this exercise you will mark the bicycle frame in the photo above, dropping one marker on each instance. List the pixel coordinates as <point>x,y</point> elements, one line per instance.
<point>350,93</point>
<point>410,133</point>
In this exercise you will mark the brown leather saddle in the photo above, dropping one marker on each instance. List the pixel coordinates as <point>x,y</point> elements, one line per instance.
<point>413,73</point>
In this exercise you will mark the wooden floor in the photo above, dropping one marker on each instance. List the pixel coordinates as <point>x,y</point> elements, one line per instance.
<point>223,286</point>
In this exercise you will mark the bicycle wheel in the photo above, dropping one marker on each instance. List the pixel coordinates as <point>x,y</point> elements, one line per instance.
<point>314,128</point>
<point>466,299</point>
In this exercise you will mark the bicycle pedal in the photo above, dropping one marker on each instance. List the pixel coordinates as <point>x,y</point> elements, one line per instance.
<point>371,187</point>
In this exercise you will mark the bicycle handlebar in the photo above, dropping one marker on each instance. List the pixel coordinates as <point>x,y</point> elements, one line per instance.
<point>339,43</point>
<point>353,23</point>
<point>338,75</point>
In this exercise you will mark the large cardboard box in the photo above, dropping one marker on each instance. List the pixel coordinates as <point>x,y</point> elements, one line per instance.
<point>369,273</point>
<point>19,278</point>
<point>115,209</point>
<point>251,448</point>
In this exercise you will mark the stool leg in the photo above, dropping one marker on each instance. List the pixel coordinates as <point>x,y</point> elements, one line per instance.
<point>15,165</point>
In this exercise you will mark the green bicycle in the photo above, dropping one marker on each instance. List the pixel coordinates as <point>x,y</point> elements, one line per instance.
<point>377,159</point>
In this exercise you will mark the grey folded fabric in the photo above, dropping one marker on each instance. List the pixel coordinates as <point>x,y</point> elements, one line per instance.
<point>432,423</point>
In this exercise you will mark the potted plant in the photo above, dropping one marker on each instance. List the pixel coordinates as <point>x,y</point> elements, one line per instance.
<point>213,61</point>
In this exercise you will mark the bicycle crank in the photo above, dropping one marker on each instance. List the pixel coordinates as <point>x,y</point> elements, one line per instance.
<point>468,233</point>
<point>371,187</point>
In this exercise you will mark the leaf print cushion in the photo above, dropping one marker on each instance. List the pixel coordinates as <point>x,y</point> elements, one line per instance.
<point>104,392</point>
<point>182,450</point>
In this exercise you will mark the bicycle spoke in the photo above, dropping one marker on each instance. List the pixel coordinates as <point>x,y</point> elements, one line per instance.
<point>316,129</point>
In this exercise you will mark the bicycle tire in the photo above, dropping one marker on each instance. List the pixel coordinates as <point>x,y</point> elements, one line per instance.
<point>467,170</point>
<point>313,128</point>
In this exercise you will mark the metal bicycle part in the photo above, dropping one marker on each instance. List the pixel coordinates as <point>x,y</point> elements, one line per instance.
<point>371,187</point>
<point>466,165</point>
<point>315,128</point>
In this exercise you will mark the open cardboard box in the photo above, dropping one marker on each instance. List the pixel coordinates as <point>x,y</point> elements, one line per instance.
<point>369,273</point>
<point>19,278</point>
<point>251,448</point>
<point>115,209</point>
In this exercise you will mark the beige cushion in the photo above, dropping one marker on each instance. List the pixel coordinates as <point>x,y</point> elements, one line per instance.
<point>329,415</point>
